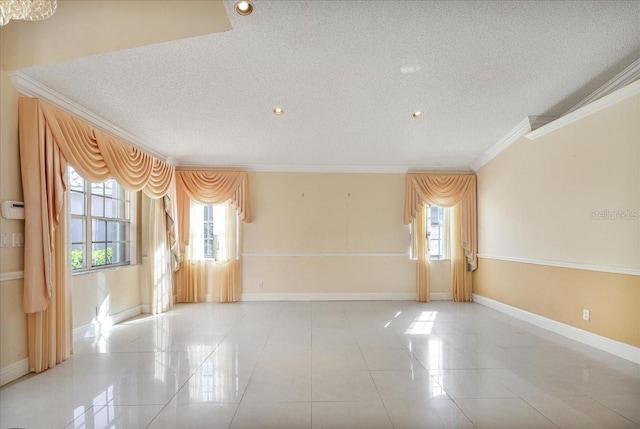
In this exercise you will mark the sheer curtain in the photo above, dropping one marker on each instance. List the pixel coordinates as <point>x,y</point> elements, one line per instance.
<point>50,140</point>
<point>212,279</point>
<point>199,279</point>
<point>160,287</point>
<point>457,192</point>
<point>422,263</point>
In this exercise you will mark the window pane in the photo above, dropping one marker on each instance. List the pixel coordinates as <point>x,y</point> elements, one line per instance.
<point>101,255</point>
<point>110,207</point>
<point>77,230</point>
<point>99,232</point>
<point>123,212</point>
<point>97,188</point>
<point>111,188</point>
<point>120,252</point>
<point>97,206</point>
<point>77,203</point>
<point>77,256</point>
<point>208,248</point>
<point>208,230</point>
<point>76,183</point>
<point>208,213</point>
<point>117,231</point>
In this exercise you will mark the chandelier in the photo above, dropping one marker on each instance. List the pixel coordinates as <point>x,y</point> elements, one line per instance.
<point>28,10</point>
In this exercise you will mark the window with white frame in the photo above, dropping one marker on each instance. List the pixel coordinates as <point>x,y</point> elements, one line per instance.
<point>436,232</point>
<point>213,236</point>
<point>101,216</point>
<point>437,235</point>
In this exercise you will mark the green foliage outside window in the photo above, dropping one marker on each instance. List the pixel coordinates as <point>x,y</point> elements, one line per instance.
<point>98,257</point>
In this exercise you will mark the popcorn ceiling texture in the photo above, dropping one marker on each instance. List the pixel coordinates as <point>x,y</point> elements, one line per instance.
<point>349,75</point>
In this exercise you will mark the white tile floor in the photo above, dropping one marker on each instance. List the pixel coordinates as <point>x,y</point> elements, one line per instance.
<point>328,365</point>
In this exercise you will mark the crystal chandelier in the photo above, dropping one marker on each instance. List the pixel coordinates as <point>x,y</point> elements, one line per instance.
<point>28,10</point>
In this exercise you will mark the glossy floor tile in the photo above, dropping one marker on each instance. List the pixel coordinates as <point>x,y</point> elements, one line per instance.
<point>383,364</point>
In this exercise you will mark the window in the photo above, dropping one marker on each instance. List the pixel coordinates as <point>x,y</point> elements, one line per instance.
<point>214,226</point>
<point>101,216</point>
<point>437,234</point>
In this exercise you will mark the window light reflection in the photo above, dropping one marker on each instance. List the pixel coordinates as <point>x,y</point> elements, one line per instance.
<point>103,411</point>
<point>423,324</point>
<point>218,379</point>
<point>434,366</point>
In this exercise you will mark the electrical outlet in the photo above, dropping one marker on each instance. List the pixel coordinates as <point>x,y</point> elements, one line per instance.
<point>586,315</point>
<point>4,239</point>
<point>261,285</point>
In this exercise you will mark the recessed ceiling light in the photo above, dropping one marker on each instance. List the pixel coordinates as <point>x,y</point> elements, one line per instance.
<point>417,114</point>
<point>243,7</point>
<point>278,111</point>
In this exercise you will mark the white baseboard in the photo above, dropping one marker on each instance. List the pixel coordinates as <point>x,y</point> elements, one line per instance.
<point>90,329</point>
<point>145,308</point>
<point>328,297</point>
<point>14,371</point>
<point>608,345</point>
<point>441,296</point>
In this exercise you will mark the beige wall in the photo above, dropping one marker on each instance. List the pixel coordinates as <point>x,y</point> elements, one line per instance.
<point>13,322</point>
<point>543,199</point>
<point>299,218</point>
<point>33,43</point>
<point>538,198</point>
<point>106,26</point>
<point>112,291</point>
<point>561,293</point>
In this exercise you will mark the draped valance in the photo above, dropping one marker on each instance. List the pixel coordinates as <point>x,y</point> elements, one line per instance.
<point>51,139</point>
<point>446,190</point>
<point>98,156</point>
<point>216,187</point>
<point>210,187</point>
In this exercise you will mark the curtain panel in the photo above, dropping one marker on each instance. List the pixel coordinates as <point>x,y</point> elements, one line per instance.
<point>50,140</point>
<point>194,274</point>
<point>457,191</point>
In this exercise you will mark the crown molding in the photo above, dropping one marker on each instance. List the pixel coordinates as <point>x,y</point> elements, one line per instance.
<point>532,127</point>
<point>622,79</point>
<point>595,106</point>
<point>525,126</point>
<point>29,87</point>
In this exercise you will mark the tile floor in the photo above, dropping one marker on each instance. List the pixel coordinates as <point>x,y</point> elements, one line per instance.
<point>328,365</point>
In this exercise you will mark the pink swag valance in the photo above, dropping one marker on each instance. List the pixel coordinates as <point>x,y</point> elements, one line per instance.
<point>210,187</point>
<point>51,139</point>
<point>446,190</point>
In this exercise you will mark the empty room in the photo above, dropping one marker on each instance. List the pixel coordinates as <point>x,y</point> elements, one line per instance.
<point>319,214</point>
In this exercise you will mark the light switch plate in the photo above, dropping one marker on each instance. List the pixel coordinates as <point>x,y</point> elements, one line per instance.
<point>18,239</point>
<point>4,239</point>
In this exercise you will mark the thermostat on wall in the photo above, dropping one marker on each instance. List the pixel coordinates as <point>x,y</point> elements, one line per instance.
<point>13,210</point>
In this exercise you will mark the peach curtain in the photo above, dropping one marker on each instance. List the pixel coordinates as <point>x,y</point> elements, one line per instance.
<point>50,140</point>
<point>457,191</point>
<point>160,273</point>
<point>422,262</point>
<point>210,187</point>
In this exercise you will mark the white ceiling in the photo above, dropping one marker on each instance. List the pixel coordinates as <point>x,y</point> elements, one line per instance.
<point>349,75</point>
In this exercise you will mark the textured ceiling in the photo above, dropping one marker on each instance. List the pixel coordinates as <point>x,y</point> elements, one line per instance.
<point>349,75</point>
